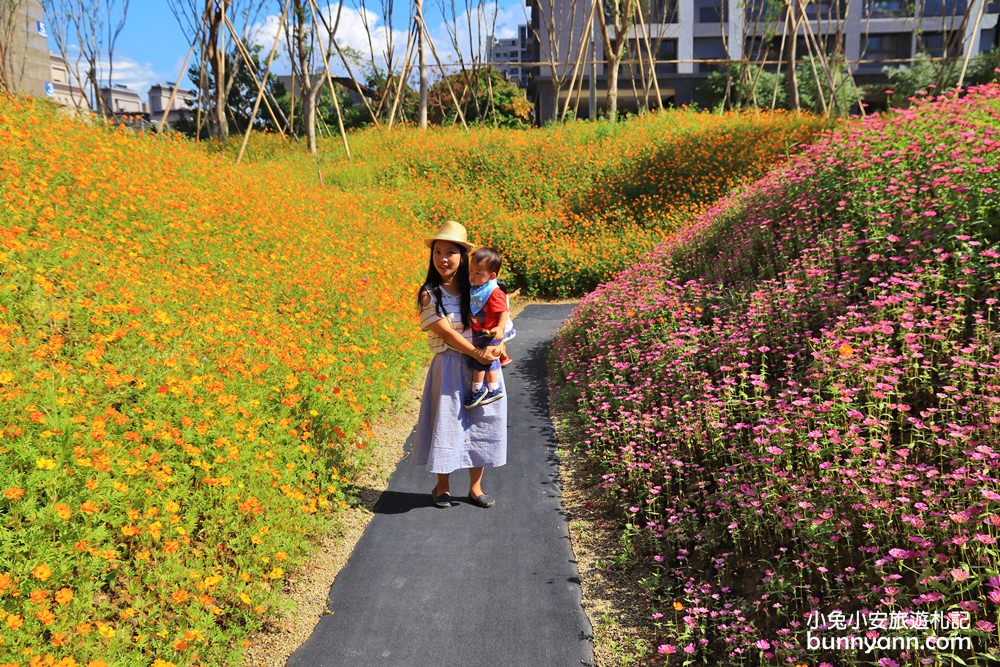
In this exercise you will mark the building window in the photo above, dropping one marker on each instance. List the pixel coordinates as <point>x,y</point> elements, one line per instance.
<point>711,11</point>
<point>894,46</point>
<point>827,10</point>
<point>940,44</point>
<point>944,7</point>
<point>659,11</point>
<point>880,9</point>
<point>764,11</point>
<point>709,48</point>
<point>667,50</point>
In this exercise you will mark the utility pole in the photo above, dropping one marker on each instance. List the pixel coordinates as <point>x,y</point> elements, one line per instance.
<point>422,118</point>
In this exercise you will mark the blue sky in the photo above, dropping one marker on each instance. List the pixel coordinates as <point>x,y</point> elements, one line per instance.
<point>152,46</point>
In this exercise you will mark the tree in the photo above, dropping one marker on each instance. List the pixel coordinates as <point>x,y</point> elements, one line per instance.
<point>9,14</point>
<point>93,28</point>
<point>303,37</point>
<point>617,16</point>
<point>241,95</point>
<point>207,23</point>
<point>559,40</point>
<point>511,108</point>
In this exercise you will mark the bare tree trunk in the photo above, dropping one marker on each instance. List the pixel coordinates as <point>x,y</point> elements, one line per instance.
<point>96,25</point>
<point>215,54</point>
<point>9,14</point>
<point>621,14</point>
<point>790,54</point>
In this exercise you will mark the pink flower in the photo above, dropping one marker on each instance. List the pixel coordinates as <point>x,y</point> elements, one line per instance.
<point>958,574</point>
<point>763,644</point>
<point>666,649</point>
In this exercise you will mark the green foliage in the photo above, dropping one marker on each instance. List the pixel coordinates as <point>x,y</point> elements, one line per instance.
<point>509,107</point>
<point>925,75</point>
<point>735,87</point>
<point>845,93</point>
<point>242,96</point>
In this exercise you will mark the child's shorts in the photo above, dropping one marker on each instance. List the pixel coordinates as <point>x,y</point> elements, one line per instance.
<point>483,340</point>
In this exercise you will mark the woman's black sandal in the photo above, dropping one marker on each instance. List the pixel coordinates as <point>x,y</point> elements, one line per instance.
<point>483,501</point>
<point>442,501</point>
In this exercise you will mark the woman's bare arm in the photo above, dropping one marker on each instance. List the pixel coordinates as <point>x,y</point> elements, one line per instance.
<point>456,341</point>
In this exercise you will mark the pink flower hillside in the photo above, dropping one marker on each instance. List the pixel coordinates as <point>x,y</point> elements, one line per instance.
<point>796,402</point>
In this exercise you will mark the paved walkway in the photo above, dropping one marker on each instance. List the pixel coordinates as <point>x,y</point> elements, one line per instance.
<point>468,587</point>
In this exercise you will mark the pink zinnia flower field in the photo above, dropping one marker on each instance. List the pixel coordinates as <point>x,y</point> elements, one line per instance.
<point>795,402</point>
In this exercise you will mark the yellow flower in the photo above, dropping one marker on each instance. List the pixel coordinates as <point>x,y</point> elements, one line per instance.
<point>45,464</point>
<point>678,606</point>
<point>845,350</point>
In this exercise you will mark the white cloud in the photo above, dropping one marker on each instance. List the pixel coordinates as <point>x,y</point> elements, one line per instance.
<point>137,76</point>
<point>500,20</point>
<point>352,33</point>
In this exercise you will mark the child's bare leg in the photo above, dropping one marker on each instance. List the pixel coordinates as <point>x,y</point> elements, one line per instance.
<point>477,377</point>
<point>491,378</point>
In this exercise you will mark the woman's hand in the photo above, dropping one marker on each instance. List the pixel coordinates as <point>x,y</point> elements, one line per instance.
<point>488,354</point>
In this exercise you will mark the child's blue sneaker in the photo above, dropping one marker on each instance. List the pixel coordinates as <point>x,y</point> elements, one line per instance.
<point>474,398</point>
<point>494,395</point>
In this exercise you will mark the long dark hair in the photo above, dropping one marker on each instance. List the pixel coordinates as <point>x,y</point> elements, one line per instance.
<point>432,285</point>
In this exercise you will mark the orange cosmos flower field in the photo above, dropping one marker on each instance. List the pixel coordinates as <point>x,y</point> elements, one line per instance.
<point>190,350</point>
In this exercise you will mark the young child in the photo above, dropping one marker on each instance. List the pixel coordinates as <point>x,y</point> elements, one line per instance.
<point>490,315</point>
<point>508,332</point>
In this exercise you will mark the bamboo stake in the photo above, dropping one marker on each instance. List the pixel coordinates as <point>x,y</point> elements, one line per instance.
<point>249,63</point>
<point>177,84</point>
<point>404,72</point>
<point>313,9</point>
<point>260,93</point>
<point>968,47</point>
<point>652,62</point>
<point>343,60</point>
<point>584,42</point>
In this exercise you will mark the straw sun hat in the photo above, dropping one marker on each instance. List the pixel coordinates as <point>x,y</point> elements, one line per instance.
<point>453,232</point>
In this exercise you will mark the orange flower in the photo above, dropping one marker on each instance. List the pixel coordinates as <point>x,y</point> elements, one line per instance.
<point>45,616</point>
<point>845,350</point>
<point>63,511</point>
<point>179,596</point>
<point>4,582</point>
<point>14,621</point>
<point>13,493</point>
<point>64,595</point>
<point>41,572</point>
<point>90,507</point>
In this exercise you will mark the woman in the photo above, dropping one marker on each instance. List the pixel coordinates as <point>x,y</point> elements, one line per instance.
<point>450,437</point>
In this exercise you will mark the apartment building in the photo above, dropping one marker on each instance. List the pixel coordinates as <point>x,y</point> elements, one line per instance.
<point>122,101</point>
<point>505,56</point>
<point>182,107</point>
<point>690,38</point>
<point>62,87</point>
